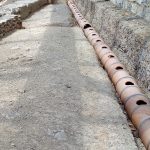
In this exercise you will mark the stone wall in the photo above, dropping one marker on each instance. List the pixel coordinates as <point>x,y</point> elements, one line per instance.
<point>139,7</point>
<point>127,35</point>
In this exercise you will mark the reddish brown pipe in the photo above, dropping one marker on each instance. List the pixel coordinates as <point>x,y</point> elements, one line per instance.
<point>119,75</point>
<point>144,132</point>
<point>109,62</point>
<point>97,40</point>
<point>88,30</point>
<point>82,23</point>
<point>92,36</point>
<point>122,84</point>
<point>129,91</point>
<point>114,68</point>
<point>102,49</point>
<point>107,56</point>
<point>136,103</point>
<point>140,114</point>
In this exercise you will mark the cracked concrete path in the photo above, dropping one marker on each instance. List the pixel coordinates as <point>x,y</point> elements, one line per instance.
<point>53,93</point>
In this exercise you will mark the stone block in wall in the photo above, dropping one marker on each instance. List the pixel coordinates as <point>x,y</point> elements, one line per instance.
<point>120,30</point>
<point>97,15</point>
<point>91,8</point>
<point>110,21</point>
<point>130,39</point>
<point>143,73</point>
<point>139,7</point>
<point>106,19</point>
<point>81,6</point>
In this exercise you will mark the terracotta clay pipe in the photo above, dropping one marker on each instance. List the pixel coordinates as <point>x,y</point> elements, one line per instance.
<point>136,103</point>
<point>144,132</point>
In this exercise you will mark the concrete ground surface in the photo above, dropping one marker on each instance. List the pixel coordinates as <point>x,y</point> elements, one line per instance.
<point>53,93</point>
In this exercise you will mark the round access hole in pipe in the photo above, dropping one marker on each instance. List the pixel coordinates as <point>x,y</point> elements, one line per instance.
<point>87,26</point>
<point>129,83</point>
<point>98,40</point>
<point>104,47</point>
<point>119,68</point>
<point>111,56</point>
<point>141,102</point>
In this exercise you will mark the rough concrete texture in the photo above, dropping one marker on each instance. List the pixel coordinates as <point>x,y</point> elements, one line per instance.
<point>125,33</point>
<point>53,93</point>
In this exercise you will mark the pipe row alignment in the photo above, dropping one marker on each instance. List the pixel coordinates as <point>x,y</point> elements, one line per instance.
<point>135,102</point>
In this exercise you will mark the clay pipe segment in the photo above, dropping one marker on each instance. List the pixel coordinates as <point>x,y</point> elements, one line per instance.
<point>109,62</point>
<point>72,6</point>
<point>102,49</point>
<point>135,101</point>
<point>70,1</point>
<point>82,23</point>
<point>118,74</point>
<point>78,16</point>
<point>128,92</point>
<point>114,68</point>
<point>107,56</point>
<point>76,11</point>
<point>140,114</point>
<point>88,29</point>
<point>144,133</point>
<point>92,36</point>
<point>97,40</point>
<point>124,83</point>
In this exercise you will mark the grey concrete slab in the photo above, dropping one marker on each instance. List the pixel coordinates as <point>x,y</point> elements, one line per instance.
<point>54,95</point>
<point>45,17</point>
